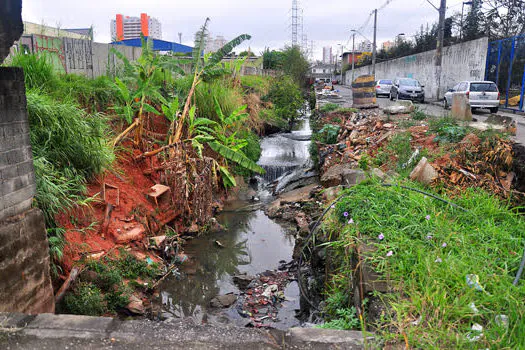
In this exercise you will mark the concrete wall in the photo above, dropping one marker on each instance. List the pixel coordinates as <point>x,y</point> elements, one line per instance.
<point>78,56</point>
<point>25,283</point>
<point>465,61</point>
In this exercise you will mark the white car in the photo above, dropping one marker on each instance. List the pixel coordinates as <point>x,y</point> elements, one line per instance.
<point>481,94</point>
<point>383,87</point>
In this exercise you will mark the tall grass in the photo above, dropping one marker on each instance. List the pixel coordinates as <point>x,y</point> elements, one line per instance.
<point>427,248</point>
<point>38,71</point>
<point>66,136</point>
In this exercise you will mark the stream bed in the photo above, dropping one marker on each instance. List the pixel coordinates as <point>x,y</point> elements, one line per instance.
<point>250,243</point>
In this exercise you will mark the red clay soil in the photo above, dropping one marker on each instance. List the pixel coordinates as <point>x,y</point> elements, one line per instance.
<point>135,215</point>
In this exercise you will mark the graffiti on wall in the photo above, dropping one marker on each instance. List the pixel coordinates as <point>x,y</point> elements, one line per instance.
<point>53,47</point>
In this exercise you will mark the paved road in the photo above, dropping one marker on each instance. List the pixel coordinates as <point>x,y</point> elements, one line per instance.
<point>436,111</point>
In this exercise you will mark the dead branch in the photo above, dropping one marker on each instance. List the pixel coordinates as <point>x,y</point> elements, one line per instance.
<point>73,274</point>
<point>125,132</point>
<point>107,220</point>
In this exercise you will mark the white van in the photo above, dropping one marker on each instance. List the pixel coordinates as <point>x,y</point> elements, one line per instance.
<point>481,94</point>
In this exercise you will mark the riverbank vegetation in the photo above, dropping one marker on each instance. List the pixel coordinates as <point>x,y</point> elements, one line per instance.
<point>423,265</point>
<point>99,145</point>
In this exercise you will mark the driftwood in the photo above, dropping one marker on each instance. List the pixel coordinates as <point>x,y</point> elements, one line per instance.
<point>73,274</point>
<point>107,220</point>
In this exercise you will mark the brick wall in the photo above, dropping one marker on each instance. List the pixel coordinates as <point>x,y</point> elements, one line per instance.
<point>25,283</point>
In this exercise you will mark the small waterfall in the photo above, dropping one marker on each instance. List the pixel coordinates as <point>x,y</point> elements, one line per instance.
<point>273,172</point>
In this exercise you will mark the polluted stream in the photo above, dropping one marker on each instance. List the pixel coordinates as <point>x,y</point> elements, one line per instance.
<point>252,244</point>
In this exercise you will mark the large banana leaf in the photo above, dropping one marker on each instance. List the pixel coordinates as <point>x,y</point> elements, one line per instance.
<point>227,178</point>
<point>226,49</point>
<point>236,156</point>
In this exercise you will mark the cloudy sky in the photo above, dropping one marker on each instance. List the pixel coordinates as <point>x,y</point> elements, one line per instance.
<point>326,22</point>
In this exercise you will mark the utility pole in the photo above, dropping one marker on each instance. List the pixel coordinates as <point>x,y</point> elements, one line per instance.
<point>374,51</point>
<point>353,57</point>
<point>439,45</point>
<point>180,38</point>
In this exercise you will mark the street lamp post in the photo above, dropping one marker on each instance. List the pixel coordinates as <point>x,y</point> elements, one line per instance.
<point>341,66</point>
<point>461,28</point>
<point>353,57</point>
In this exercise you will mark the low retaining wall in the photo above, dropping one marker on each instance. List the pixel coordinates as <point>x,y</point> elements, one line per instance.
<point>465,61</point>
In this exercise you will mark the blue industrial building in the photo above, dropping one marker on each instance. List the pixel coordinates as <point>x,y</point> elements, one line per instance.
<point>158,45</point>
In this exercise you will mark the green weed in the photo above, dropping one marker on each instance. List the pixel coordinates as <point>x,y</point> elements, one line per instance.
<point>87,299</point>
<point>328,134</point>
<point>427,248</point>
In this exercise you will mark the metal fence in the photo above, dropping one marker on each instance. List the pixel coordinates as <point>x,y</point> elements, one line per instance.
<point>506,67</point>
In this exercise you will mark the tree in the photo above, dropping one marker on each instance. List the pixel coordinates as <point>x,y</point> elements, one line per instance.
<point>473,25</point>
<point>504,18</point>
<point>246,53</point>
<point>295,64</point>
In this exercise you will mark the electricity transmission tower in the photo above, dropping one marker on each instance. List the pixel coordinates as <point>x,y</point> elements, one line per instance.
<point>295,23</point>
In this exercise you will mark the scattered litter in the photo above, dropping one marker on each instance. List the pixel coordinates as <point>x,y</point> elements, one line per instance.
<point>219,244</point>
<point>476,334</point>
<point>474,308</point>
<point>502,321</point>
<point>417,322</point>
<point>473,282</point>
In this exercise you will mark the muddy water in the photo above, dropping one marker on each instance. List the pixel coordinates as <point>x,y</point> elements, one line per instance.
<point>251,243</point>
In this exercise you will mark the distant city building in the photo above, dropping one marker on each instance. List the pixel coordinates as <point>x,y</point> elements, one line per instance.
<point>387,45</point>
<point>328,58</point>
<point>364,46</point>
<point>214,44</point>
<point>127,27</point>
<point>42,29</point>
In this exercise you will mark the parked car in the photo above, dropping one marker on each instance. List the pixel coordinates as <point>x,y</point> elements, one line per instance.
<point>481,94</point>
<point>383,87</point>
<point>407,89</point>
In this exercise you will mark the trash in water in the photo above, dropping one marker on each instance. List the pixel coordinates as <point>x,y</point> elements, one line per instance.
<point>476,334</point>
<point>219,244</point>
<point>502,321</point>
<point>473,282</point>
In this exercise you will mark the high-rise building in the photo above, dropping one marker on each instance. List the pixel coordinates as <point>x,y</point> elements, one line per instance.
<point>213,44</point>
<point>364,46</point>
<point>127,27</point>
<point>387,45</point>
<point>327,55</point>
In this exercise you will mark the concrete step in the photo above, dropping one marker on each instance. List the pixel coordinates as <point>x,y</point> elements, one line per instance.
<point>49,331</point>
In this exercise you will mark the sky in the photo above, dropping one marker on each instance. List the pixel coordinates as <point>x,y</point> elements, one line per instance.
<point>326,22</point>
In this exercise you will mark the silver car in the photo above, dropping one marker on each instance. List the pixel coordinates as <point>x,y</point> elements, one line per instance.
<point>383,87</point>
<point>481,94</point>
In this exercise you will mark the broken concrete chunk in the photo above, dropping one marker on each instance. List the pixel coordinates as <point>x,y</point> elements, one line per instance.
<point>461,107</point>
<point>134,234</point>
<point>378,173</point>
<point>353,177</point>
<point>222,301</point>
<point>136,306</point>
<point>157,241</point>
<point>400,107</point>
<point>424,172</point>
<point>243,281</point>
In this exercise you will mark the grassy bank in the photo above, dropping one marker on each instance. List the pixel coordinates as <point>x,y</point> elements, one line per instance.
<point>449,270</point>
<point>429,252</point>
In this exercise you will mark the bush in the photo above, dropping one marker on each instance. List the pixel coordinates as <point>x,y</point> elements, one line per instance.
<point>86,299</point>
<point>328,134</point>
<point>329,107</point>
<point>286,97</point>
<point>259,85</point>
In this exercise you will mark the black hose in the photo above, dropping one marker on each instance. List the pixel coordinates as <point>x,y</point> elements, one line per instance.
<point>520,271</point>
<point>317,223</point>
